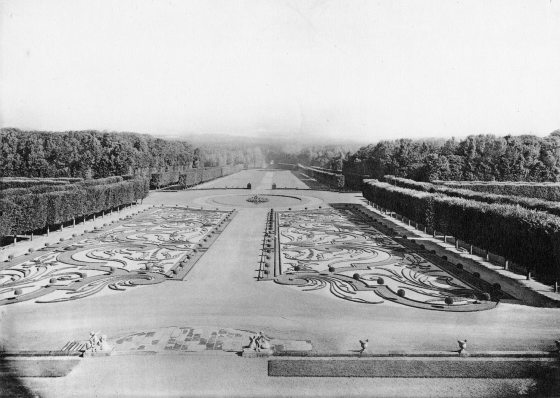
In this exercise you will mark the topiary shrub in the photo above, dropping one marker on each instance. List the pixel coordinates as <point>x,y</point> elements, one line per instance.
<point>297,267</point>
<point>476,274</point>
<point>332,269</point>
<point>401,293</point>
<point>444,258</point>
<point>449,300</point>
<point>405,237</point>
<point>356,276</point>
<point>53,280</point>
<point>17,292</point>
<point>485,296</point>
<point>380,281</point>
<point>30,250</point>
<point>459,265</point>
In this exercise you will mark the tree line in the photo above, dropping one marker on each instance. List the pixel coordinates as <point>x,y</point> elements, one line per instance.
<point>87,154</point>
<point>476,157</point>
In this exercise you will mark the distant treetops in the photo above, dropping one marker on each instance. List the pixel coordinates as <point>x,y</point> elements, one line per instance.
<point>477,157</point>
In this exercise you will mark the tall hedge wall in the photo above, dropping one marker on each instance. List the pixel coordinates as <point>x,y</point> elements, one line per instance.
<point>22,182</point>
<point>528,237</point>
<point>333,180</point>
<point>528,203</point>
<point>545,191</point>
<point>23,210</point>
<point>198,176</point>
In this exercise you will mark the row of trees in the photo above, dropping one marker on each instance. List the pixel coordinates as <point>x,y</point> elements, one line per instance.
<point>88,154</point>
<point>528,201</point>
<point>24,210</point>
<point>477,157</point>
<point>527,237</point>
<point>331,179</point>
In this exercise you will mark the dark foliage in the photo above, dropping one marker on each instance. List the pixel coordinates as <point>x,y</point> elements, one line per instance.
<point>480,157</point>
<point>527,237</point>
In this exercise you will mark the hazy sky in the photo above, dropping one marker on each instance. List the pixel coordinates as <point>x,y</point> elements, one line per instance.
<point>361,69</point>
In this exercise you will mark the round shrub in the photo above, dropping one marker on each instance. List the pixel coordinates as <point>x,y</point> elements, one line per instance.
<point>380,281</point>
<point>30,250</point>
<point>356,276</point>
<point>433,251</point>
<point>405,237</point>
<point>266,272</point>
<point>476,274</point>
<point>10,256</point>
<point>444,258</point>
<point>449,300</point>
<point>332,269</point>
<point>459,265</point>
<point>297,267</point>
<point>485,296</point>
<point>267,265</point>
<point>17,292</point>
<point>422,247</point>
<point>497,286</point>
<point>53,280</point>
<point>401,293</point>
<point>61,239</point>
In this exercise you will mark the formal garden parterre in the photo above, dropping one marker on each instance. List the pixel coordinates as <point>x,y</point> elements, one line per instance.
<point>161,244</point>
<point>338,248</point>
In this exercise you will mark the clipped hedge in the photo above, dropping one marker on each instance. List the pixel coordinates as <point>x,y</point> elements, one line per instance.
<point>527,237</point>
<point>23,182</point>
<point>333,180</point>
<point>539,190</point>
<point>528,203</point>
<point>38,207</point>
<point>198,176</point>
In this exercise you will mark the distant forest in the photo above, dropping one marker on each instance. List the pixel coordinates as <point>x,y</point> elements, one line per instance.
<point>477,157</point>
<point>94,154</point>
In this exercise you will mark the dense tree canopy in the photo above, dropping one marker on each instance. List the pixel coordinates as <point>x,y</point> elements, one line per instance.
<point>477,157</point>
<point>87,153</point>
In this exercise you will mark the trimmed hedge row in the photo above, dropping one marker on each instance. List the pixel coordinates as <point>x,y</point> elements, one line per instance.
<point>197,176</point>
<point>331,179</point>
<point>39,207</point>
<point>527,237</point>
<point>539,190</point>
<point>528,203</point>
<point>22,182</point>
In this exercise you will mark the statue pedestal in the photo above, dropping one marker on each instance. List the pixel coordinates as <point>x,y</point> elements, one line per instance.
<point>250,353</point>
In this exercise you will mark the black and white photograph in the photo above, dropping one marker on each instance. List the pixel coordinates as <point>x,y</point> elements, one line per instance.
<point>279,198</point>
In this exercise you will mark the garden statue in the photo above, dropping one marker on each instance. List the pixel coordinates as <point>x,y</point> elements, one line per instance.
<point>104,344</point>
<point>364,345</point>
<point>253,342</point>
<point>92,345</point>
<point>462,346</point>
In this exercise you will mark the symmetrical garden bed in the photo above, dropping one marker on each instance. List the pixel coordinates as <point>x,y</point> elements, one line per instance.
<point>159,245</point>
<point>336,247</point>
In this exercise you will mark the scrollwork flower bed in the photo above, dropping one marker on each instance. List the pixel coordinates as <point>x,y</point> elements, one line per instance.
<point>339,248</point>
<point>150,248</point>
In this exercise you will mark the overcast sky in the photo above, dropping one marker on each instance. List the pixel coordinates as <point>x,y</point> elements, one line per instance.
<point>361,69</point>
